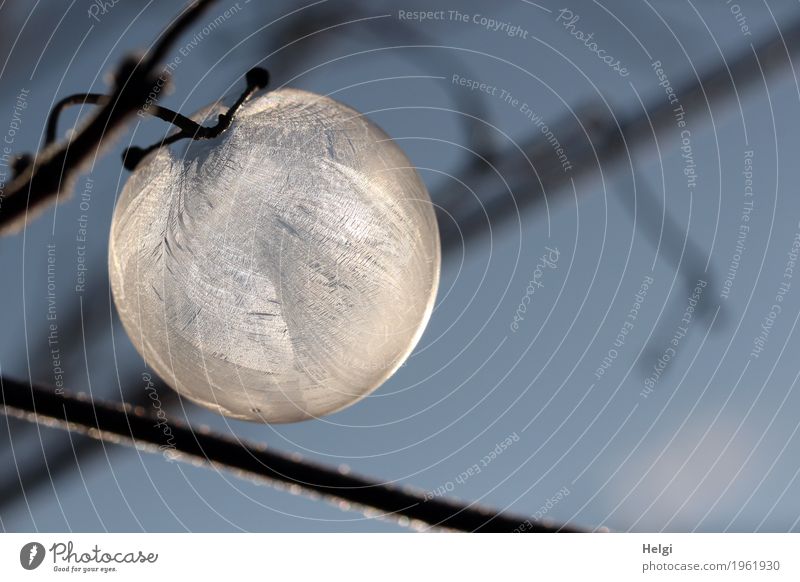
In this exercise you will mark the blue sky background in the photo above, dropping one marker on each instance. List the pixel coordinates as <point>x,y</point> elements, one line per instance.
<point>713,447</point>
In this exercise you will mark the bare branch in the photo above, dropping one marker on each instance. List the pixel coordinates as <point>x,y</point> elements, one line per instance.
<point>119,425</point>
<point>54,169</point>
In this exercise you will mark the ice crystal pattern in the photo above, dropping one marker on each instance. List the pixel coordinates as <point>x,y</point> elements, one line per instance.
<point>284,269</point>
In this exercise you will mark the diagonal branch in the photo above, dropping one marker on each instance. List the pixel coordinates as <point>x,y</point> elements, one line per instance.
<point>54,169</point>
<point>126,426</point>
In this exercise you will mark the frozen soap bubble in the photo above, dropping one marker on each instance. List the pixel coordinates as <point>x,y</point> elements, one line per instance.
<point>282,270</point>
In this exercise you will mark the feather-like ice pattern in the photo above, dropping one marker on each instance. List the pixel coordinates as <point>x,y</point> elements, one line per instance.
<point>282,270</point>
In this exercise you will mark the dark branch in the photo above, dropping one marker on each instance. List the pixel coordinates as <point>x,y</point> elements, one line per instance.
<point>176,119</point>
<point>466,220</point>
<point>257,78</point>
<point>126,426</point>
<point>63,456</point>
<point>53,170</point>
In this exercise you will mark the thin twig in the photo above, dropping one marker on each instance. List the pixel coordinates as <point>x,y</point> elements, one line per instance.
<point>122,425</point>
<point>257,78</point>
<point>64,455</point>
<point>54,169</point>
<point>180,121</point>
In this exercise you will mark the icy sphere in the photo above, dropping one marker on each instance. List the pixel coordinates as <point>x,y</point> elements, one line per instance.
<point>281,271</point>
